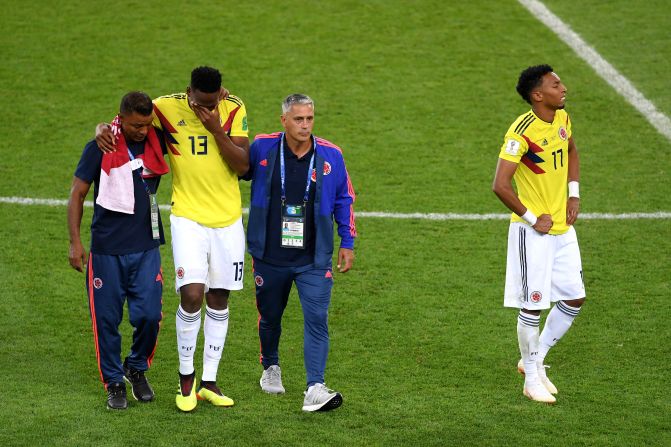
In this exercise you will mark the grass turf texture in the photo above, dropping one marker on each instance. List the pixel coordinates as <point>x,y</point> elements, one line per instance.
<point>419,97</point>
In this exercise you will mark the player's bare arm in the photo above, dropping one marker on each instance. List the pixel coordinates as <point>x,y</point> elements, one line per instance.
<point>78,193</point>
<point>503,188</point>
<point>573,203</point>
<point>234,150</point>
<point>105,138</point>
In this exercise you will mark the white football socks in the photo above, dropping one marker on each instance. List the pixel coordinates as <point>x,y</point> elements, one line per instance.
<point>557,323</point>
<point>215,330</point>
<point>527,336</point>
<point>187,326</point>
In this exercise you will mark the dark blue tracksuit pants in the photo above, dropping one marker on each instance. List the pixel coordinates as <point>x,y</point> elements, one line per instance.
<point>110,280</point>
<point>273,284</point>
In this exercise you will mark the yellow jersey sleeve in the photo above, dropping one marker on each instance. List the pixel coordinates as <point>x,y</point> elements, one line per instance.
<point>236,117</point>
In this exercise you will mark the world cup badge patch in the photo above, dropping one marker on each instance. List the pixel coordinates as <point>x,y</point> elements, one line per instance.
<point>258,280</point>
<point>97,283</point>
<point>536,296</point>
<point>562,133</point>
<point>180,273</point>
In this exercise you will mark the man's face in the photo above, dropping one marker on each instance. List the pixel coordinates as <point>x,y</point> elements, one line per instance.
<point>135,126</point>
<point>209,101</point>
<point>298,122</point>
<point>553,91</point>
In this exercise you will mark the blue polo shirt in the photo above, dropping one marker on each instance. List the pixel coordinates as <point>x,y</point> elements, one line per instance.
<point>114,233</point>
<point>296,171</point>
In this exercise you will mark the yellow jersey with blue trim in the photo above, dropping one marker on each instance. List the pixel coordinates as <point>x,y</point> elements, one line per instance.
<point>204,187</point>
<point>541,150</point>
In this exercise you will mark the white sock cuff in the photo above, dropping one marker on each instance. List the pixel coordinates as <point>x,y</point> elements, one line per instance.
<point>568,310</point>
<point>216,315</point>
<point>529,319</point>
<point>186,316</point>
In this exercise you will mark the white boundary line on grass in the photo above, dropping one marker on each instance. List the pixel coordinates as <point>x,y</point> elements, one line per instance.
<point>385,215</point>
<point>602,67</point>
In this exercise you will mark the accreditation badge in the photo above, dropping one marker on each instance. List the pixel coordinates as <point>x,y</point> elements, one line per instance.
<point>293,226</point>
<point>155,233</point>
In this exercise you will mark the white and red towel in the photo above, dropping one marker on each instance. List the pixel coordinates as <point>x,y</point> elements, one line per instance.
<point>115,190</point>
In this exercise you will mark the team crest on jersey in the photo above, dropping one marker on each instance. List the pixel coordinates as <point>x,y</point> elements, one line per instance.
<point>97,283</point>
<point>327,168</point>
<point>180,273</point>
<point>536,296</point>
<point>313,176</point>
<point>562,133</point>
<point>258,280</point>
<point>264,162</point>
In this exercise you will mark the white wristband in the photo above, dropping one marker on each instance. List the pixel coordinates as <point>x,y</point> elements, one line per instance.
<point>574,189</point>
<point>530,218</point>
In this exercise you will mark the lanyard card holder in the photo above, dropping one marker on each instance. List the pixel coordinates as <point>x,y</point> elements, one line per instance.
<point>293,226</point>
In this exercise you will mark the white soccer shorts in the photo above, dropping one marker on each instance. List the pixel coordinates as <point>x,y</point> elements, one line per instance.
<point>542,268</point>
<point>211,256</point>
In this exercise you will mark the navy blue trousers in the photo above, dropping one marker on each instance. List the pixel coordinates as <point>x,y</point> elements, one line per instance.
<point>110,280</point>
<point>273,284</point>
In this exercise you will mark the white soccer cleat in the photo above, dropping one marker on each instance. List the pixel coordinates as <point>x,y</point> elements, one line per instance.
<point>539,393</point>
<point>545,381</point>
<point>271,380</point>
<point>542,376</point>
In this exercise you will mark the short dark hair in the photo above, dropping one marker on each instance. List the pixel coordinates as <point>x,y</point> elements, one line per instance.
<point>138,102</point>
<point>206,79</point>
<point>531,78</point>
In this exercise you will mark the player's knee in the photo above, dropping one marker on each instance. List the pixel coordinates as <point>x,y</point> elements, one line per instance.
<point>217,298</point>
<point>575,303</point>
<point>192,297</point>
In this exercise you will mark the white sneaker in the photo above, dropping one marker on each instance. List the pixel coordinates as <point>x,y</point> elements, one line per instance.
<point>542,375</point>
<point>271,380</point>
<point>320,398</point>
<point>536,391</point>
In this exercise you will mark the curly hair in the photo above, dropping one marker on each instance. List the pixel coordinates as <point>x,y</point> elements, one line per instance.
<point>206,79</point>
<point>531,78</point>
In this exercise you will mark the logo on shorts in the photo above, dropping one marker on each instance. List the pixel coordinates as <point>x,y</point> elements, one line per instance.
<point>264,162</point>
<point>562,133</point>
<point>97,283</point>
<point>327,168</point>
<point>328,274</point>
<point>180,273</point>
<point>258,280</point>
<point>536,296</point>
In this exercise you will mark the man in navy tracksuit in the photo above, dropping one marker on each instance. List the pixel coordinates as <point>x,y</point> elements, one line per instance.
<point>124,260</point>
<point>299,186</point>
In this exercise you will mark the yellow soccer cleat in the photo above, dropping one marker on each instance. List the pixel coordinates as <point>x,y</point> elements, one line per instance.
<point>213,395</point>
<point>186,402</point>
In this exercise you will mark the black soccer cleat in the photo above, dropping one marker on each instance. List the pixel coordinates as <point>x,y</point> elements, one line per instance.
<point>116,396</point>
<point>140,387</point>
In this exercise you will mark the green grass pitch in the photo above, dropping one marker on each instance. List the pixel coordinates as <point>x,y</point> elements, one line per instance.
<point>419,96</point>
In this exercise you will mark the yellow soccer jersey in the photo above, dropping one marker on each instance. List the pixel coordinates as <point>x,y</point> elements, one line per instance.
<point>541,149</point>
<point>204,188</point>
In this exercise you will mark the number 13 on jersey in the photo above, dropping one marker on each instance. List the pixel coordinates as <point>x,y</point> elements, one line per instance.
<point>198,147</point>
